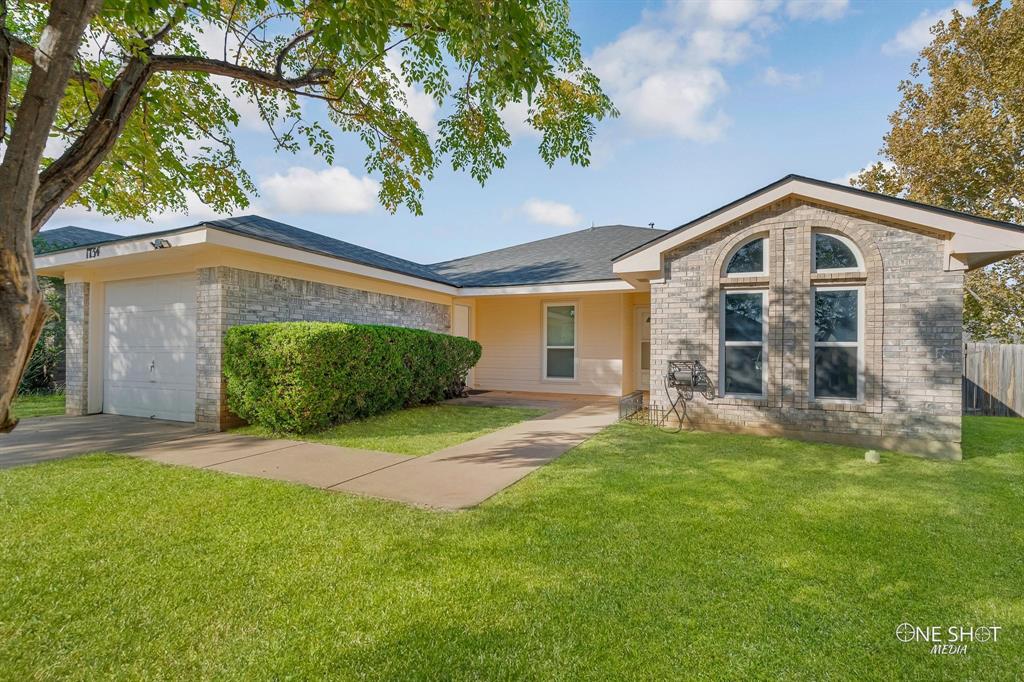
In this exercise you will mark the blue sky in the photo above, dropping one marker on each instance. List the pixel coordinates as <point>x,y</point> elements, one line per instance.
<point>718,98</point>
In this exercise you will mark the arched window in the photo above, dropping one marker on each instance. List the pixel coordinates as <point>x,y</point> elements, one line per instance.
<point>749,259</point>
<point>835,252</point>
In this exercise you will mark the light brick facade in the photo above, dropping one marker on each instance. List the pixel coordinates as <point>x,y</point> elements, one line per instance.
<point>76,348</point>
<point>911,337</point>
<point>228,296</point>
<point>912,352</point>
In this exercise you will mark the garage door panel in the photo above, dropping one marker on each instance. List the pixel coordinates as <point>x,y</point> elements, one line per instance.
<point>146,400</point>
<point>150,364</point>
<point>153,366</point>
<point>140,331</point>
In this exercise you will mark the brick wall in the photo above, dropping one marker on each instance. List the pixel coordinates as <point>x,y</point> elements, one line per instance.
<point>228,296</point>
<point>76,348</point>
<point>912,331</point>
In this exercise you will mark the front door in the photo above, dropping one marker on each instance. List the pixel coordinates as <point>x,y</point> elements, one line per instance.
<point>643,348</point>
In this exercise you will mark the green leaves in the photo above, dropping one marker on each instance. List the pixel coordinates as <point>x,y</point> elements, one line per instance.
<point>297,377</point>
<point>304,61</point>
<point>957,141</point>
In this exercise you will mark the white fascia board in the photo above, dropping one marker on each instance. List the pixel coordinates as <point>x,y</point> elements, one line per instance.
<point>106,250</point>
<point>610,285</point>
<point>259,246</point>
<point>970,236</point>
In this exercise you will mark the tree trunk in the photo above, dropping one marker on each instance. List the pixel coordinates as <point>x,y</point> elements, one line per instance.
<point>22,310</point>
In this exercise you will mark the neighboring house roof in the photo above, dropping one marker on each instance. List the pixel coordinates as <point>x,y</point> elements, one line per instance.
<point>582,256</point>
<point>65,237</point>
<point>976,241</point>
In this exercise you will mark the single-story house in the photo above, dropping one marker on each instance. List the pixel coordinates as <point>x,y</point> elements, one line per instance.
<point>820,311</point>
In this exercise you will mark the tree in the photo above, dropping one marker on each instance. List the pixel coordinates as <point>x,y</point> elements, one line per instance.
<point>957,140</point>
<point>127,88</point>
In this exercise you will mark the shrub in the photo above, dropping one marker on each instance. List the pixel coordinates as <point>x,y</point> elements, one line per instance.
<point>297,377</point>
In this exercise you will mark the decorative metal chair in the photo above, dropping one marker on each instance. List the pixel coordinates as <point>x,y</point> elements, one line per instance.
<point>686,378</point>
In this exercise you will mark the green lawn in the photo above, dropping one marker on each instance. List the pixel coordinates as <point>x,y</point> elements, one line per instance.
<point>640,554</point>
<point>415,431</point>
<point>38,405</point>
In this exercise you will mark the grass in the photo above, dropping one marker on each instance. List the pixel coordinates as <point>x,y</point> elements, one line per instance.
<point>38,405</point>
<point>414,431</point>
<point>640,554</point>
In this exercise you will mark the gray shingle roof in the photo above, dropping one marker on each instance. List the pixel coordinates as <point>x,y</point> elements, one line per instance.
<point>265,229</point>
<point>64,237</point>
<point>583,256</point>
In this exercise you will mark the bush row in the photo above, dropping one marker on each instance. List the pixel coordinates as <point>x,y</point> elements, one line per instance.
<point>297,377</point>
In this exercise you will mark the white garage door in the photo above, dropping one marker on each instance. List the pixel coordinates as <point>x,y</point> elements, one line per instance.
<point>150,368</point>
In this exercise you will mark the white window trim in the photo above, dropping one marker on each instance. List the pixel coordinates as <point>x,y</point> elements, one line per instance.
<point>845,240</point>
<point>544,347</point>
<point>722,344</point>
<point>859,344</point>
<point>765,259</point>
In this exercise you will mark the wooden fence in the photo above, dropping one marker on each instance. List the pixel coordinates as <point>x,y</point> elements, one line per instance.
<point>994,379</point>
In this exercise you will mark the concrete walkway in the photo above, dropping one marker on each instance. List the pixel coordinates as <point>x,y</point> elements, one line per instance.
<point>465,475</point>
<point>40,439</point>
<point>454,478</point>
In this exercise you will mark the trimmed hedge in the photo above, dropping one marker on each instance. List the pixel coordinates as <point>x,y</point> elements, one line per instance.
<point>297,377</point>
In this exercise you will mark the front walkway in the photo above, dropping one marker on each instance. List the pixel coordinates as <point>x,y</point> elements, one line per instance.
<point>465,475</point>
<point>454,478</point>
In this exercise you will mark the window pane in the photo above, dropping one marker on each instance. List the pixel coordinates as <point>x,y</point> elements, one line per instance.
<point>743,369</point>
<point>743,317</point>
<point>835,372</point>
<point>835,315</point>
<point>831,253</point>
<point>645,355</point>
<point>560,363</point>
<point>560,325</point>
<point>749,258</point>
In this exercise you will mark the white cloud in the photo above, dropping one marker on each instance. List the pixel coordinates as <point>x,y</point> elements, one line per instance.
<point>915,35</point>
<point>332,190</point>
<point>775,78</point>
<point>551,213</point>
<point>826,10</point>
<point>846,178</point>
<point>417,104</point>
<point>514,117</point>
<point>195,211</point>
<point>665,74</point>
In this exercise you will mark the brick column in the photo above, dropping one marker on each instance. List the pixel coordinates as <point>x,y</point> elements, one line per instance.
<point>76,349</point>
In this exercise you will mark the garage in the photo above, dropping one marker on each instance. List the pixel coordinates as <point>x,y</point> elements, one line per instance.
<point>150,344</point>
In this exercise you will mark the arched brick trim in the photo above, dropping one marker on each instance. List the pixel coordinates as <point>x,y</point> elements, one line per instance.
<point>871,279</point>
<point>733,243</point>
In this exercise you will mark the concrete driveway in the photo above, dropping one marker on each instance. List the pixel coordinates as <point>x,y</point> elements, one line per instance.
<point>42,439</point>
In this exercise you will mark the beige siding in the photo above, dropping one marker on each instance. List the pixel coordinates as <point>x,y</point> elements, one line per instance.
<point>510,330</point>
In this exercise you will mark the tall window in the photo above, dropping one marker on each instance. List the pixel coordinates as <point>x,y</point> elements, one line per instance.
<point>834,252</point>
<point>837,344</point>
<point>749,259</point>
<point>742,349</point>
<point>559,341</point>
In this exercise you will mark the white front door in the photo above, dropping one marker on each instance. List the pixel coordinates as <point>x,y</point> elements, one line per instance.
<point>150,364</point>
<point>643,348</point>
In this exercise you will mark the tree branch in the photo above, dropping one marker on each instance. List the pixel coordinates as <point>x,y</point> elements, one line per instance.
<point>219,67</point>
<point>6,66</point>
<point>283,54</point>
